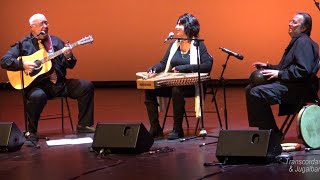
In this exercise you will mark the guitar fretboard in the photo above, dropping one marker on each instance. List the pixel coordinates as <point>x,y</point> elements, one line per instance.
<point>57,53</point>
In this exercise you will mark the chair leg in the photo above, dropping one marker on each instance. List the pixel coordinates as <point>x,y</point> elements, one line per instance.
<point>62,115</point>
<point>166,114</point>
<point>284,131</point>
<point>197,126</point>
<point>213,92</point>
<point>185,115</point>
<point>284,123</point>
<point>69,114</point>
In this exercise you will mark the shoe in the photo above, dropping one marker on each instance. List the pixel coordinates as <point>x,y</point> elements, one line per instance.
<point>175,135</point>
<point>156,131</point>
<point>85,129</point>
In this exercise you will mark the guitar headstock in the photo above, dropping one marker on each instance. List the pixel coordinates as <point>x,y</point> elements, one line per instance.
<point>86,40</point>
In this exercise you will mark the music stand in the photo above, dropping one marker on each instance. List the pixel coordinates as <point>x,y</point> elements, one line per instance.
<point>203,132</point>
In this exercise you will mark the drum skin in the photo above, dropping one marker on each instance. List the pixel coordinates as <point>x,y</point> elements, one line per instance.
<point>308,123</point>
<point>257,78</point>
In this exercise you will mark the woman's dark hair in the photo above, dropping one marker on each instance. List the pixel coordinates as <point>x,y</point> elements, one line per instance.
<point>307,22</point>
<point>190,23</point>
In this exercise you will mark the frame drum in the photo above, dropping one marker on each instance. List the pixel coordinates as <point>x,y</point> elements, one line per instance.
<point>308,124</point>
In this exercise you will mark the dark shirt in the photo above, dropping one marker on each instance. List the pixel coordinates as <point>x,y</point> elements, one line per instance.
<point>297,70</point>
<point>29,45</point>
<point>299,61</point>
<point>180,59</point>
<point>181,62</point>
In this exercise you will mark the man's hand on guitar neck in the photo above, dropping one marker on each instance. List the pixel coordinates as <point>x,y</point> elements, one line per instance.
<point>67,51</point>
<point>29,66</point>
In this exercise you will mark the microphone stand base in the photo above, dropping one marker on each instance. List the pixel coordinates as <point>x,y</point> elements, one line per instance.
<point>202,134</point>
<point>34,143</point>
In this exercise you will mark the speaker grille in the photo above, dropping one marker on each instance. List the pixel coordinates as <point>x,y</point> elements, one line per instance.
<point>122,138</point>
<point>247,146</point>
<point>11,138</point>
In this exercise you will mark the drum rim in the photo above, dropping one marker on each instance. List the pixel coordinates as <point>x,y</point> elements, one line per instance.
<point>300,114</point>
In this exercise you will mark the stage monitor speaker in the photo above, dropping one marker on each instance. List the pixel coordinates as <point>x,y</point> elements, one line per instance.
<point>11,138</point>
<point>122,138</point>
<point>247,147</point>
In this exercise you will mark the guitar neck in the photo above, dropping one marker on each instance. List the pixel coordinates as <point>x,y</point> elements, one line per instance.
<point>57,53</point>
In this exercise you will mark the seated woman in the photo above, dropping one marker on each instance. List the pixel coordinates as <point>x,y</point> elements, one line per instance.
<point>181,57</point>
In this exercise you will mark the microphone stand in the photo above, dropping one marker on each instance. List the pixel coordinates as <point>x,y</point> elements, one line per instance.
<point>203,132</point>
<point>317,4</point>
<point>26,133</point>
<point>222,83</point>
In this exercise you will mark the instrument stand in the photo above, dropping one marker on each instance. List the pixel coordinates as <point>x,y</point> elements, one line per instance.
<point>26,133</point>
<point>223,84</point>
<point>203,133</point>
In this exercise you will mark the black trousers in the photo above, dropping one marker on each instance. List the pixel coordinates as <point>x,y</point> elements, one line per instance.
<point>259,100</point>
<point>81,90</point>
<point>177,93</point>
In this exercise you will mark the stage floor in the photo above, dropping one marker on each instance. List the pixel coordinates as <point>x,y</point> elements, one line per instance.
<point>165,160</point>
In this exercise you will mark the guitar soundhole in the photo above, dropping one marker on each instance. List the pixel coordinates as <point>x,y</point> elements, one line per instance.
<point>38,63</point>
<point>35,71</point>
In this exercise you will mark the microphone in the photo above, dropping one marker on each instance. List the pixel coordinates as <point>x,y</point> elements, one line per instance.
<point>41,33</point>
<point>171,34</point>
<point>317,4</point>
<point>238,56</point>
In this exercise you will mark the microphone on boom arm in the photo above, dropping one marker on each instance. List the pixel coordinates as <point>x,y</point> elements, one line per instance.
<point>238,56</point>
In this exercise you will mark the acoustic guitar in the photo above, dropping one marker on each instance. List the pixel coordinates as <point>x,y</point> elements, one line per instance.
<point>22,79</point>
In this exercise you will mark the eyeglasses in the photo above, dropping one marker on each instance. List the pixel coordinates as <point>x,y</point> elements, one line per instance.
<point>41,24</point>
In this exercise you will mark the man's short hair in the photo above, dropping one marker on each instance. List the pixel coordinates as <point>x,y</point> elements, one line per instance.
<point>37,16</point>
